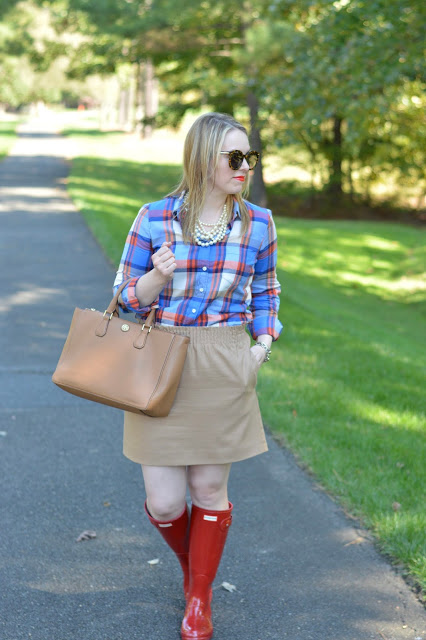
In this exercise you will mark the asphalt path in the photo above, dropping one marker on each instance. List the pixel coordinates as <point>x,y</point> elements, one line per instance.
<point>301,568</point>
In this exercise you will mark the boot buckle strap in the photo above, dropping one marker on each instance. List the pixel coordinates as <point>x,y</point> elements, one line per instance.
<point>225,524</point>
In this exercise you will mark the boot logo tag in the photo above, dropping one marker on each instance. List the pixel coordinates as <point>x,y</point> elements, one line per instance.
<point>210,518</point>
<point>169,524</point>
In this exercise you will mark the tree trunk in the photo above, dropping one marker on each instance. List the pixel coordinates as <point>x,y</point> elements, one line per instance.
<point>122,107</point>
<point>138,106</point>
<point>336,172</point>
<point>257,187</point>
<point>350,180</point>
<point>149,99</point>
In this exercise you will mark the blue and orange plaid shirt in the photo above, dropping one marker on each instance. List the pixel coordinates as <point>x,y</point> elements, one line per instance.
<point>229,283</point>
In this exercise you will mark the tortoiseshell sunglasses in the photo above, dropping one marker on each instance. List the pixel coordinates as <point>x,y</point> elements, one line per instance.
<point>236,158</point>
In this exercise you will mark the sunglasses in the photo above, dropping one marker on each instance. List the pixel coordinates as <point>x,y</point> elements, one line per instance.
<point>236,158</point>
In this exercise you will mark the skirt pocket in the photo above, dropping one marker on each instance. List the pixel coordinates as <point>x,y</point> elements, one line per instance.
<point>254,367</point>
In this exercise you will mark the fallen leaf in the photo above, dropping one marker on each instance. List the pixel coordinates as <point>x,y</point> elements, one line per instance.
<point>356,541</point>
<point>86,535</point>
<point>107,504</point>
<point>229,587</point>
<point>155,561</point>
<point>294,412</point>
<point>396,506</point>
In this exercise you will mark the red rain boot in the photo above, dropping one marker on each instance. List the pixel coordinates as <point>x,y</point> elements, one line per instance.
<point>175,533</point>
<point>207,537</point>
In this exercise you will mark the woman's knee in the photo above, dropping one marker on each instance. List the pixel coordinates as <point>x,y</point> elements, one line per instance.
<point>208,485</point>
<point>165,507</point>
<point>165,491</point>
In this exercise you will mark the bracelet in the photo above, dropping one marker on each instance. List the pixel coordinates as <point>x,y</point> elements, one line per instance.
<point>266,348</point>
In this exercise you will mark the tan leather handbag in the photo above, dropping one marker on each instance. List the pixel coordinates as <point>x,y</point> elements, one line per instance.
<point>135,367</point>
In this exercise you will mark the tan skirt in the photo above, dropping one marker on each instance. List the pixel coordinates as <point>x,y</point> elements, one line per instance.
<point>215,418</point>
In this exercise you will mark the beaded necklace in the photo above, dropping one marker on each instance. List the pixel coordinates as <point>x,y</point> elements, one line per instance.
<point>208,233</point>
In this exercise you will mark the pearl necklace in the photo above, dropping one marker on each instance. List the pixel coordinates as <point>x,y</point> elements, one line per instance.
<point>207,233</point>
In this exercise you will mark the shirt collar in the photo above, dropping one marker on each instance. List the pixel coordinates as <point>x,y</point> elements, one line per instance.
<point>177,206</point>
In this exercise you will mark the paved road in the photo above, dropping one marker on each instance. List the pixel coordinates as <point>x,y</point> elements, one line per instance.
<point>300,569</point>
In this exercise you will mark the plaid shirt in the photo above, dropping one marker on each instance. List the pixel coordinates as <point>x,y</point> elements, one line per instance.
<point>229,283</point>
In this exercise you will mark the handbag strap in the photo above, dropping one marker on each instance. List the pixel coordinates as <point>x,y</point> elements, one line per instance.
<point>113,307</point>
<point>150,321</point>
<point>113,310</point>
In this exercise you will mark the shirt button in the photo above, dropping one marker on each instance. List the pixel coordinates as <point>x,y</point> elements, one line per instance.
<point>194,310</point>
<point>201,289</point>
<point>204,268</point>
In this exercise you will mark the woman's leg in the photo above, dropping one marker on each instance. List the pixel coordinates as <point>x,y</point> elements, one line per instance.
<point>208,485</point>
<point>210,520</point>
<point>167,510</point>
<point>165,489</point>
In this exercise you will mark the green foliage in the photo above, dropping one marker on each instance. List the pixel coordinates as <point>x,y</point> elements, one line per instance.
<point>6,6</point>
<point>342,78</point>
<point>26,53</point>
<point>7,134</point>
<point>15,41</point>
<point>33,59</point>
<point>359,62</point>
<point>345,79</point>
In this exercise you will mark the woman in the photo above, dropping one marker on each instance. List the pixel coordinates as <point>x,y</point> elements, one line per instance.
<point>206,258</point>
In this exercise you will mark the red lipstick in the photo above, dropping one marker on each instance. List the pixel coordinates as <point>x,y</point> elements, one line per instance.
<point>240,178</point>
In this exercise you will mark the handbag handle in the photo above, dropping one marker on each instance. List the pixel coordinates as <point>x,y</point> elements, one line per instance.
<point>113,310</point>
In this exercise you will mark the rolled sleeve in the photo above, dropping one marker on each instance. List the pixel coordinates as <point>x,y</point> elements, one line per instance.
<point>265,288</point>
<point>135,262</point>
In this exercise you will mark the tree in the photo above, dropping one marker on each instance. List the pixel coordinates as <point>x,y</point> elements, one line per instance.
<point>202,53</point>
<point>333,76</point>
<point>346,66</point>
<point>27,50</point>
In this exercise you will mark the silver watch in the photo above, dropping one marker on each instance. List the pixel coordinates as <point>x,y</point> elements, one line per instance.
<point>266,348</point>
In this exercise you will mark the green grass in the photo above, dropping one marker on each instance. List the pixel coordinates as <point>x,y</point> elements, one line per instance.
<point>7,134</point>
<point>109,194</point>
<point>345,385</point>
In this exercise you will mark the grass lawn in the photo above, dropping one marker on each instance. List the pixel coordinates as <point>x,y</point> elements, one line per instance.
<point>345,385</point>
<point>7,133</point>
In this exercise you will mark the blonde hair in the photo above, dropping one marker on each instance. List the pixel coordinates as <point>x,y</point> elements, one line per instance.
<point>203,143</point>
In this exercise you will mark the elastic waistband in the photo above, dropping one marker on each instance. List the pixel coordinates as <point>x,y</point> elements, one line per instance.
<point>235,334</point>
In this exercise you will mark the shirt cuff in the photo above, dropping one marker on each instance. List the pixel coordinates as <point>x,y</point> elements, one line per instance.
<point>265,324</point>
<point>129,302</point>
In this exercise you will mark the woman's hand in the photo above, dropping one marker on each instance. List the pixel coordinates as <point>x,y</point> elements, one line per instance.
<point>258,351</point>
<point>259,354</point>
<point>164,262</point>
<point>150,285</point>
